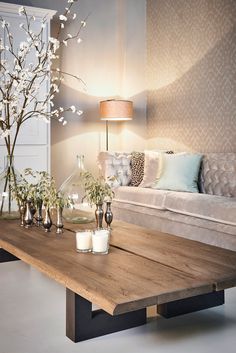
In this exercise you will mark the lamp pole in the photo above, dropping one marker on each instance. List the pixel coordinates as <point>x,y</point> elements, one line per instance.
<point>106,135</point>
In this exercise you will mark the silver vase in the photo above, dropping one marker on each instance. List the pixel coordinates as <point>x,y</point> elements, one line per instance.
<point>59,223</point>
<point>22,214</point>
<point>47,221</point>
<point>28,217</point>
<point>108,215</point>
<point>99,215</point>
<point>33,209</point>
<point>39,216</point>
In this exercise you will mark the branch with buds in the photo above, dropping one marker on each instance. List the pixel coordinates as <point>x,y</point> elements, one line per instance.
<point>21,80</point>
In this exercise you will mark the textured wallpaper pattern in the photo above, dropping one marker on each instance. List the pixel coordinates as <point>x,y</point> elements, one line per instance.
<point>191,71</point>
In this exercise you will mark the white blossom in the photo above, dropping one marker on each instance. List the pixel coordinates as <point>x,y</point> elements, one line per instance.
<point>70,1</point>
<point>61,119</point>
<point>83,23</point>
<point>24,45</point>
<point>21,10</point>
<point>79,40</point>
<point>79,112</point>
<point>73,109</point>
<point>65,42</point>
<point>55,42</point>
<point>63,18</point>
<point>4,133</point>
<point>43,25</point>
<point>74,16</point>
<point>62,25</point>
<point>69,35</point>
<point>64,123</point>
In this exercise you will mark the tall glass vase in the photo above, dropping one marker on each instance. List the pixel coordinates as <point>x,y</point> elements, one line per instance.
<point>9,209</point>
<point>73,188</point>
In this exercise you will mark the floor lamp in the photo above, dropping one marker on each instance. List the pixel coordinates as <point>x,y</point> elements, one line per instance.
<point>115,110</point>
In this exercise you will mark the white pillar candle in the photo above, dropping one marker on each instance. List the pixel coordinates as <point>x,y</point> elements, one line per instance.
<point>100,241</point>
<point>84,241</point>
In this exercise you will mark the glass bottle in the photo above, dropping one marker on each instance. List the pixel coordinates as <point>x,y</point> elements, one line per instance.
<point>73,189</point>
<point>9,209</point>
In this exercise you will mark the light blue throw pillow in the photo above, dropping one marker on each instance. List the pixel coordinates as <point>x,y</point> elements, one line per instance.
<point>180,172</point>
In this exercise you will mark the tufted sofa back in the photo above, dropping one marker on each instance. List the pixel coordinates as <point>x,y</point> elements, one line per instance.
<point>115,164</point>
<point>217,175</point>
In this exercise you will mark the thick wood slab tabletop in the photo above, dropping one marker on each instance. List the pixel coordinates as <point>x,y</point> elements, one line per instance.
<point>200,260</point>
<point>142,268</point>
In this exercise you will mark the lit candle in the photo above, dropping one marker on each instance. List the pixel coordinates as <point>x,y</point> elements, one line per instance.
<point>100,241</point>
<point>84,241</point>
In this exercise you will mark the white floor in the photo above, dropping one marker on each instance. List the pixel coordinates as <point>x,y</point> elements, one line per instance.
<point>32,320</point>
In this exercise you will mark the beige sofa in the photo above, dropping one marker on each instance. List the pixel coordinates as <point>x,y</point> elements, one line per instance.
<point>208,216</point>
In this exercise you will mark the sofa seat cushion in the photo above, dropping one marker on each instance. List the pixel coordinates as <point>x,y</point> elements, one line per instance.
<point>214,208</point>
<point>209,232</point>
<point>141,196</point>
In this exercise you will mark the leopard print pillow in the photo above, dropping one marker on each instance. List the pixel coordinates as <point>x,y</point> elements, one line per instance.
<point>137,168</point>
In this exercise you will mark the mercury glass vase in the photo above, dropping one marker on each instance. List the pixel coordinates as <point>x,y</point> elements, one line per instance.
<point>99,215</point>
<point>39,214</point>
<point>73,189</point>
<point>22,213</point>
<point>59,222</point>
<point>28,217</point>
<point>108,215</point>
<point>47,221</point>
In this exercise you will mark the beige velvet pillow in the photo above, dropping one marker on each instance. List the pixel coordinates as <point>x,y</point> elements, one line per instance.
<point>152,168</point>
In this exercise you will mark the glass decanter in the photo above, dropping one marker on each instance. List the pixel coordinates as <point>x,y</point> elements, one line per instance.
<point>73,188</point>
<point>9,209</point>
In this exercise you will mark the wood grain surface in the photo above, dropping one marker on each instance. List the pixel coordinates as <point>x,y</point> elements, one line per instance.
<point>143,268</point>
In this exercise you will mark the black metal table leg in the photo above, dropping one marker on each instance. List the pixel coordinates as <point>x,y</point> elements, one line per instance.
<point>5,256</point>
<point>192,304</point>
<point>82,323</point>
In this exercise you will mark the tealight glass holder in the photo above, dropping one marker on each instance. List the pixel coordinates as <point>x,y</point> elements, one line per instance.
<point>84,241</point>
<point>100,241</point>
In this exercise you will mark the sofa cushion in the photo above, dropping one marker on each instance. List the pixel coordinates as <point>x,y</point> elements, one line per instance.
<point>179,172</point>
<point>152,168</point>
<point>215,208</point>
<point>137,168</point>
<point>218,174</point>
<point>141,196</point>
<point>115,166</point>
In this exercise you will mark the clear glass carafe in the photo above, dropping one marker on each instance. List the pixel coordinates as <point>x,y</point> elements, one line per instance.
<point>73,188</point>
<point>9,208</point>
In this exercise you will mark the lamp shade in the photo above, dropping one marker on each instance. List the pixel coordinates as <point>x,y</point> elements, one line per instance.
<point>116,110</point>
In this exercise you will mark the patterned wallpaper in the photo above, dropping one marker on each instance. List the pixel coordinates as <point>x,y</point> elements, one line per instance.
<point>191,70</point>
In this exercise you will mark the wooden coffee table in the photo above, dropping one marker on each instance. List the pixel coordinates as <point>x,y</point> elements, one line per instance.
<point>143,268</point>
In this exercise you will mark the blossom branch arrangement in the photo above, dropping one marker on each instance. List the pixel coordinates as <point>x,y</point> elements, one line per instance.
<point>21,80</point>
